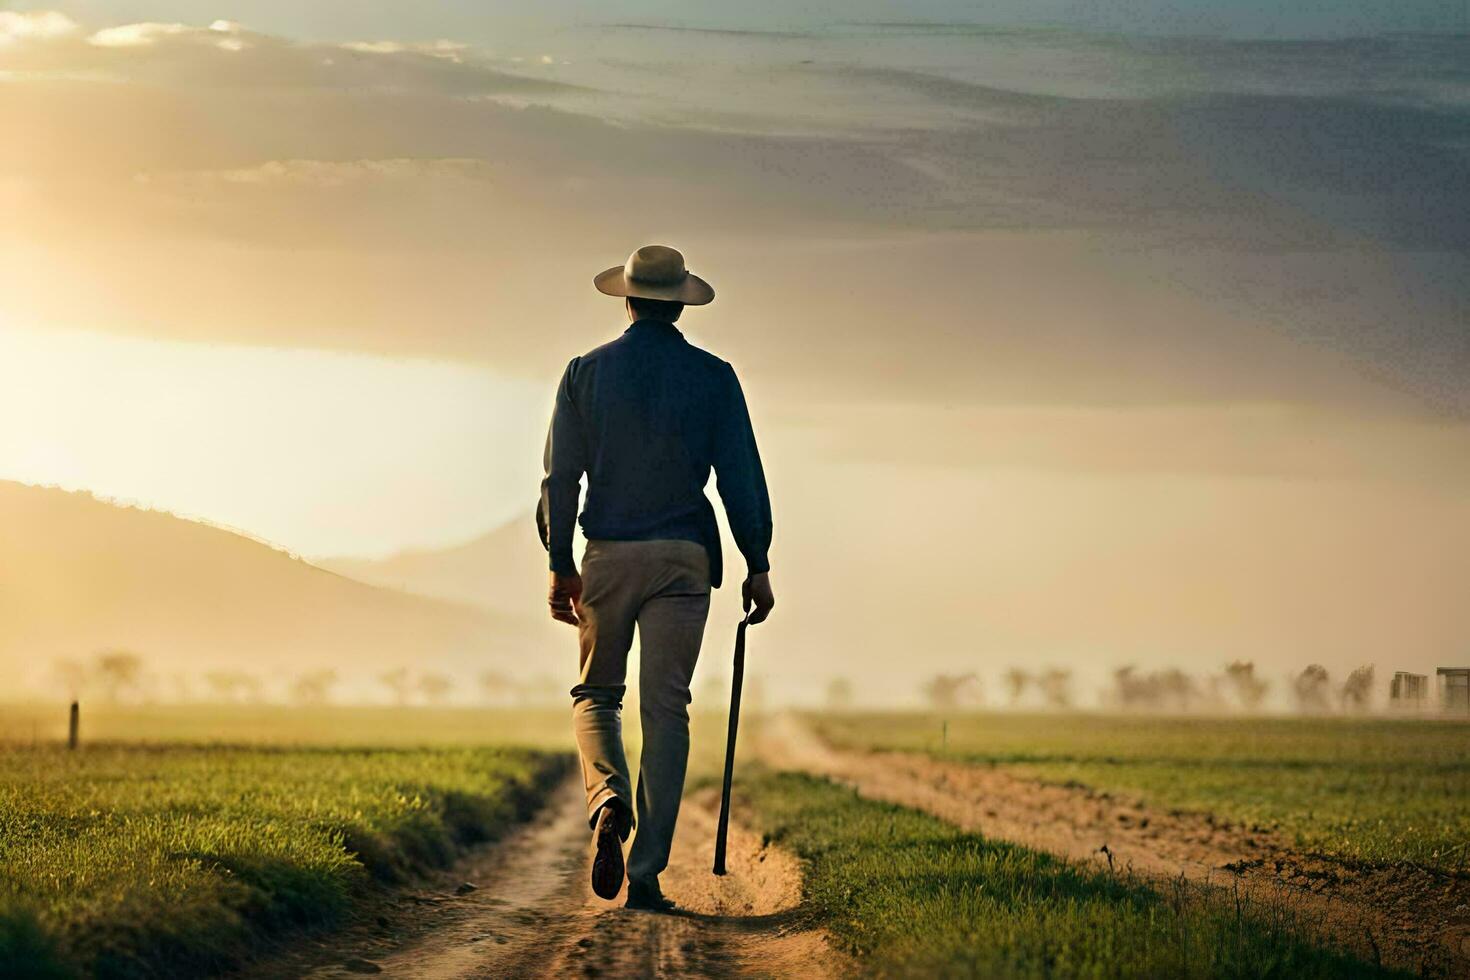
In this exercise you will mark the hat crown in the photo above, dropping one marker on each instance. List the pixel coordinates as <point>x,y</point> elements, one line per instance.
<point>655,272</point>
<point>656,265</point>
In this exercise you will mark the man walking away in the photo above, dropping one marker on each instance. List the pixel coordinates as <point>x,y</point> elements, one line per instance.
<point>646,417</point>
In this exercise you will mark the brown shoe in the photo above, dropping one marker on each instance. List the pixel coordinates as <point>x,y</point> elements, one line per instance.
<point>607,859</point>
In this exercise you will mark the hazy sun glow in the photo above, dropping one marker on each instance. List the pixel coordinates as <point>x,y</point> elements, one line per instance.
<point>322,453</point>
<point>1127,338</point>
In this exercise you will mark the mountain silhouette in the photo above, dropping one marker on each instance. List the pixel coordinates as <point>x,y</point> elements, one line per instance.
<point>79,574</point>
<point>503,570</point>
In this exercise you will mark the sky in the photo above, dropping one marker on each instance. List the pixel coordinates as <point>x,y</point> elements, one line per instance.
<point>1071,335</point>
<point>278,443</point>
<point>487,22</point>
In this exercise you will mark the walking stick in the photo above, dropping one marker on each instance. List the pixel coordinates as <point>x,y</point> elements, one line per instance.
<point>737,678</point>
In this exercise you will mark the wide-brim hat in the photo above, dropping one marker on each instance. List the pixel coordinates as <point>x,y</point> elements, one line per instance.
<point>655,272</point>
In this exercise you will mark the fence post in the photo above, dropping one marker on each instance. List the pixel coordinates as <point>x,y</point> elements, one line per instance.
<point>72,729</point>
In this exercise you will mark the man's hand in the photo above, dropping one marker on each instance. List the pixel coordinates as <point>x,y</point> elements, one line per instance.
<point>757,591</point>
<point>565,598</point>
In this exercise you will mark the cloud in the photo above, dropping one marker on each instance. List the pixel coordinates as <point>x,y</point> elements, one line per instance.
<point>136,35</point>
<point>376,47</point>
<point>453,51</point>
<point>711,31</point>
<point>1107,302</point>
<point>225,54</point>
<point>17,26</point>
<point>322,174</point>
<point>1268,442</point>
<point>1003,246</point>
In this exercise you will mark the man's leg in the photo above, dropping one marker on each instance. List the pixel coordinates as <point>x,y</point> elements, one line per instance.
<point>670,629</point>
<point>612,591</point>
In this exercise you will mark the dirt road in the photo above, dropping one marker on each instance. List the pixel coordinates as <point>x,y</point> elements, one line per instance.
<point>532,914</point>
<point>1415,919</point>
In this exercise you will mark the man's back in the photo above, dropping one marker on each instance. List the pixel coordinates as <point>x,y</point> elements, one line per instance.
<point>647,417</point>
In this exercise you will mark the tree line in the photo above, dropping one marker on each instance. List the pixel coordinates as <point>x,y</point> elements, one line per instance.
<point>1238,686</point>
<point>117,676</point>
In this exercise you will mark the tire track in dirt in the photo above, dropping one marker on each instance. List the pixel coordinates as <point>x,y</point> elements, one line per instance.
<point>1410,918</point>
<point>532,914</point>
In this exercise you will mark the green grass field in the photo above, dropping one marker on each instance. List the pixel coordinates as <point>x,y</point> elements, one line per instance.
<point>178,840</point>
<point>550,728</point>
<point>133,860</point>
<point>911,896</point>
<point>266,724</point>
<point>180,836</point>
<point>1375,791</point>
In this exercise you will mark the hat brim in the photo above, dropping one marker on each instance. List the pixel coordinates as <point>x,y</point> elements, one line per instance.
<point>691,290</point>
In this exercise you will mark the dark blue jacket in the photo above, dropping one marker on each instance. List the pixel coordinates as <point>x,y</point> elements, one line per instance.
<point>647,417</point>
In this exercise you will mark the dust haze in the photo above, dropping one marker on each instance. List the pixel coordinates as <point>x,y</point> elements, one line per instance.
<point>1068,350</point>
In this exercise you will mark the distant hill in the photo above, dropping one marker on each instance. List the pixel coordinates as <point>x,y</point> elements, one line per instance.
<point>502,570</point>
<point>78,575</point>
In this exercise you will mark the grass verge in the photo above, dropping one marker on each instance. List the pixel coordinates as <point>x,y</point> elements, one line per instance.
<point>131,861</point>
<point>911,896</point>
<point>330,725</point>
<point>1373,791</point>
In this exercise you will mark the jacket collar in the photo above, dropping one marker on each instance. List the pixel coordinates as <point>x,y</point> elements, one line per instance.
<point>653,328</point>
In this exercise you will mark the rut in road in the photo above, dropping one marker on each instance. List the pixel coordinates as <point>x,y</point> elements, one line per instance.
<point>1412,918</point>
<point>533,914</point>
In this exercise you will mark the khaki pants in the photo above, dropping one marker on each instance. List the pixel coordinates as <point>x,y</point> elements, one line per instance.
<point>663,587</point>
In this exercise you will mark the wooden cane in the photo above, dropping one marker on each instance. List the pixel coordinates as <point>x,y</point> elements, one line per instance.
<point>737,678</point>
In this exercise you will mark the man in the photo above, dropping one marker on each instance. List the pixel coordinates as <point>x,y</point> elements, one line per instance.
<point>646,417</point>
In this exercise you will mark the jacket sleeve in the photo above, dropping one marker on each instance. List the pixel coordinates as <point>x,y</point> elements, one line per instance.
<point>565,461</point>
<point>739,477</point>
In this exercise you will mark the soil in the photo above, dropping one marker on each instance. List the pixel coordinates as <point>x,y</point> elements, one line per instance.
<point>1412,918</point>
<point>524,908</point>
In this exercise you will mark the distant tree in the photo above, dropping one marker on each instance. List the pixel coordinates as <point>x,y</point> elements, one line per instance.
<point>1134,690</point>
<point>252,688</point>
<point>1157,690</point>
<point>399,683</point>
<point>497,686</point>
<point>1357,690</point>
<point>118,673</point>
<point>1122,692</point>
<point>946,692</point>
<point>1017,681</point>
<point>223,683</point>
<point>235,685</point>
<point>1311,689</point>
<point>1248,689</point>
<point>435,687</point>
<point>1056,687</point>
<point>1177,690</point>
<point>839,694</point>
<point>313,687</point>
